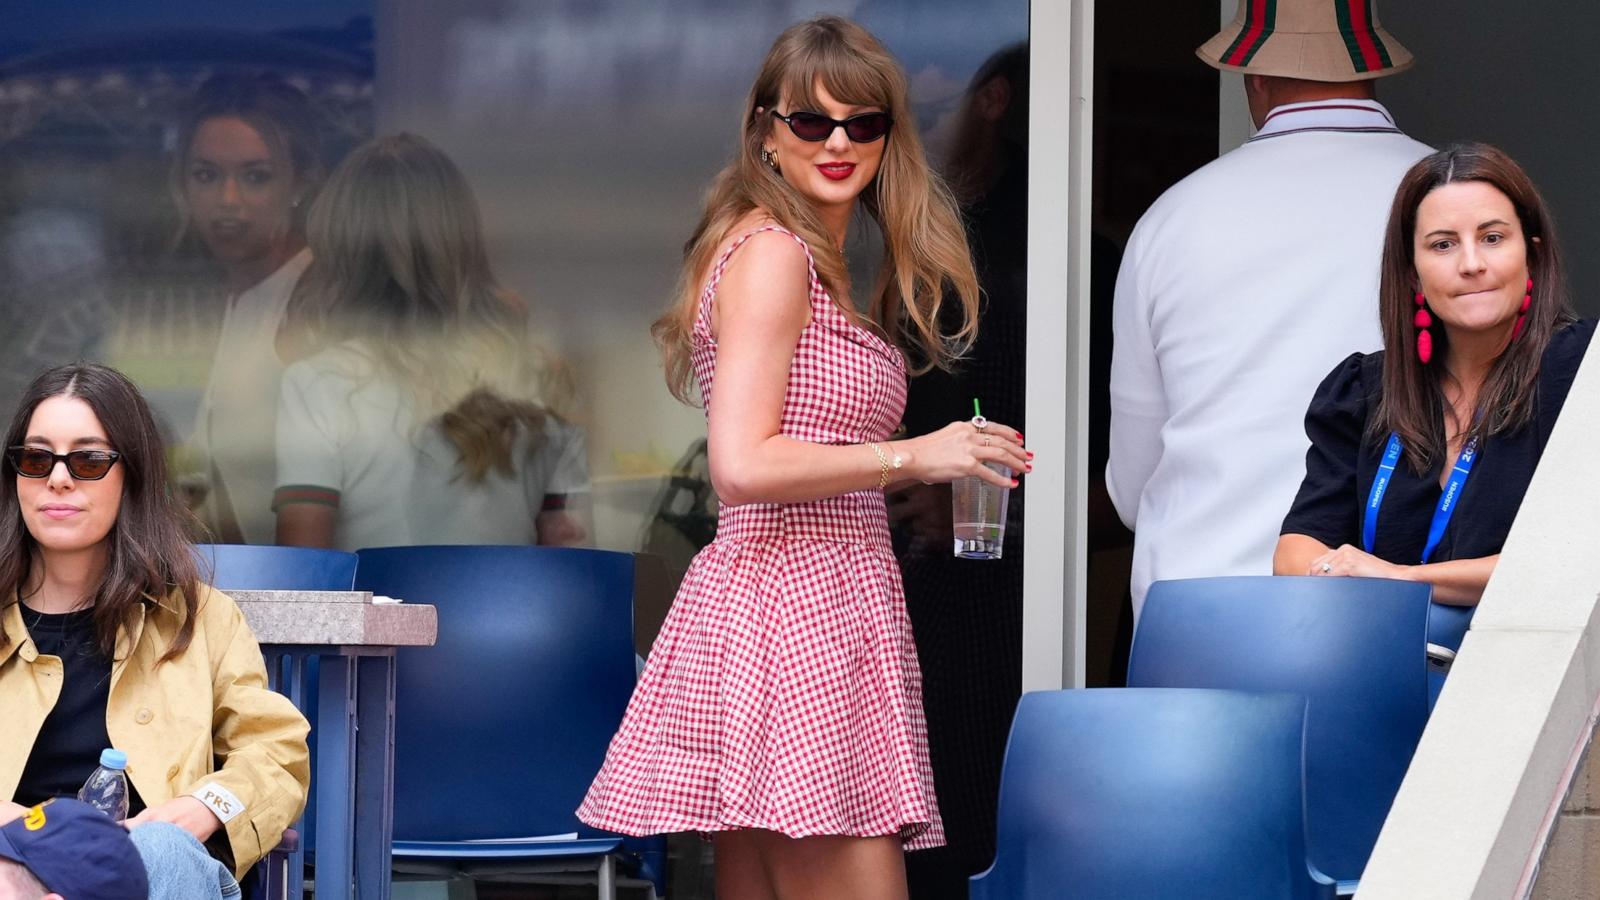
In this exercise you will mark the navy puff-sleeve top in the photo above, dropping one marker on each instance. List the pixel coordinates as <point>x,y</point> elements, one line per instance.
<point>1343,461</point>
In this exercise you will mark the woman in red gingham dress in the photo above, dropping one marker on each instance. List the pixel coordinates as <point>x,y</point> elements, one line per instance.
<point>781,706</point>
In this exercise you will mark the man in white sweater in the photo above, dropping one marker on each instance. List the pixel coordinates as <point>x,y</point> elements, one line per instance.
<point>1243,286</point>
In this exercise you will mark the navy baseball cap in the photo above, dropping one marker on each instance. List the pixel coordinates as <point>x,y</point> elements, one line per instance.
<point>76,851</point>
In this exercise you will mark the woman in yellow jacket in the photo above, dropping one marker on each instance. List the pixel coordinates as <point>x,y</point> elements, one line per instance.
<point>109,639</point>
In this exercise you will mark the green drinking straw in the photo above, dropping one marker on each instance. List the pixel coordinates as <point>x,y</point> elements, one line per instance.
<point>975,413</point>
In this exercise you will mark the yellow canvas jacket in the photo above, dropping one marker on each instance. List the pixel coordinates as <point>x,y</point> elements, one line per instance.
<point>203,724</point>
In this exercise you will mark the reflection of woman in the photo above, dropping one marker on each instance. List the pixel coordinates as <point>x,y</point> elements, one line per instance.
<point>781,705</point>
<point>1480,348</point>
<point>968,618</point>
<point>418,418</point>
<point>95,570</point>
<point>249,164</point>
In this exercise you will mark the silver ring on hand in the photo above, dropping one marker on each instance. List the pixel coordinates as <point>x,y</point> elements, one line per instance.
<point>1327,567</point>
<point>980,423</point>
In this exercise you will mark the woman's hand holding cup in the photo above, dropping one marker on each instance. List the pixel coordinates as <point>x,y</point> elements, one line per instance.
<point>961,449</point>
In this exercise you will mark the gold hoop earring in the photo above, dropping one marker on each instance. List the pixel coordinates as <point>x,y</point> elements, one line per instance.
<point>770,158</point>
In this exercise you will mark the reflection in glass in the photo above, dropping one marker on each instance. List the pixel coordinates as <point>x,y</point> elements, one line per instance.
<point>967,616</point>
<point>588,130</point>
<point>419,410</point>
<point>119,243</point>
<point>249,160</point>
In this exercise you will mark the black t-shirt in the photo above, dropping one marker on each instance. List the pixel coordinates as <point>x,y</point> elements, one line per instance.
<point>73,734</point>
<point>1343,461</point>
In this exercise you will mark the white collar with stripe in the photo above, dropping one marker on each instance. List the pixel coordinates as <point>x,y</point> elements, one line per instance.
<point>1342,114</point>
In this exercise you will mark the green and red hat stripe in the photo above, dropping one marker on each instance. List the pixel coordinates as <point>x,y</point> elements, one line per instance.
<point>1259,18</point>
<point>1367,52</point>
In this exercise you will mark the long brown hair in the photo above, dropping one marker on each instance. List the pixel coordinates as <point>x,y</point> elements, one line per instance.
<point>399,261</point>
<point>278,111</point>
<point>924,242</point>
<point>1413,404</point>
<point>148,555</point>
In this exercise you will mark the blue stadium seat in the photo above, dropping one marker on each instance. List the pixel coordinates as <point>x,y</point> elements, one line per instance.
<point>1355,648</point>
<point>501,725</point>
<point>251,567</point>
<point>1146,794</point>
<point>1447,628</point>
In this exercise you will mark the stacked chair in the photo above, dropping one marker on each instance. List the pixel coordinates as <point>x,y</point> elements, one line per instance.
<point>1354,651</point>
<point>1355,648</point>
<point>1153,794</point>
<point>501,725</point>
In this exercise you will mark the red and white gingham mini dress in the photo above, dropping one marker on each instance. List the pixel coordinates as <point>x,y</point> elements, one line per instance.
<point>783,692</point>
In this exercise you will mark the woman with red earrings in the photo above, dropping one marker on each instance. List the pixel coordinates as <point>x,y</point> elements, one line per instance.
<point>1421,453</point>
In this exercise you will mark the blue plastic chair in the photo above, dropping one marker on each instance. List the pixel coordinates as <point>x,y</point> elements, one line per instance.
<point>1356,648</point>
<point>501,725</point>
<point>1153,794</point>
<point>253,567</point>
<point>1447,628</point>
<point>248,567</point>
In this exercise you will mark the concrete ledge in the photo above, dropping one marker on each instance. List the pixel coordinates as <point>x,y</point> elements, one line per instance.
<point>1488,769</point>
<point>336,618</point>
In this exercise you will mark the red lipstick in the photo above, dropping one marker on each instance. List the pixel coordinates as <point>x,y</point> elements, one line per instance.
<point>836,171</point>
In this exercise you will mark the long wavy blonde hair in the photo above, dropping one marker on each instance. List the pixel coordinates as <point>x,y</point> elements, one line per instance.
<point>926,260</point>
<point>399,262</point>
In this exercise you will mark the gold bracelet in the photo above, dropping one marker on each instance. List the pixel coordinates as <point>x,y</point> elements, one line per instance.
<point>885,463</point>
<point>883,466</point>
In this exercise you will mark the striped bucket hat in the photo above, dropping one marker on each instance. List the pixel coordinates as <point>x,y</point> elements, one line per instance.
<point>1318,40</point>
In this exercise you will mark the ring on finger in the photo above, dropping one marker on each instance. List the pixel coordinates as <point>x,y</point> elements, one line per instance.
<point>1327,567</point>
<point>980,423</point>
<point>986,440</point>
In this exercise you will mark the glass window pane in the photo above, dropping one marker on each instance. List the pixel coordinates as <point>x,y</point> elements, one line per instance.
<point>387,272</point>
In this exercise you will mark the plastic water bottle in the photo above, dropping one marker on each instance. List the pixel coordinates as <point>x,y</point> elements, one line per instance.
<point>107,789</point>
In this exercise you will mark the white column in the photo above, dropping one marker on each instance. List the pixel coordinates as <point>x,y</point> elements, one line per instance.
<point>1059,157</point>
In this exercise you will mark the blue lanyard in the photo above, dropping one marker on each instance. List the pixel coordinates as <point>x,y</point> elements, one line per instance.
<point>1447,501</point>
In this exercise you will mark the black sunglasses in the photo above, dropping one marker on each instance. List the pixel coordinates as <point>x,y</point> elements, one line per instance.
<point>84,465</point>
<point>862,129</point>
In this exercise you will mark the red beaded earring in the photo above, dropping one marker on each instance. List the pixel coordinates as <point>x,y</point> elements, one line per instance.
<point>1424,339</point>
<point>1522,315</point>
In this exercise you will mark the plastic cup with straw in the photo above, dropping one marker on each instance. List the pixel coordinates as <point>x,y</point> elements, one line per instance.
<point>978,508</point>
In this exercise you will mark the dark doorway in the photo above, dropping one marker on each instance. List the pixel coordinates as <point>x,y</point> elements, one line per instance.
<point>1155,121</point>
